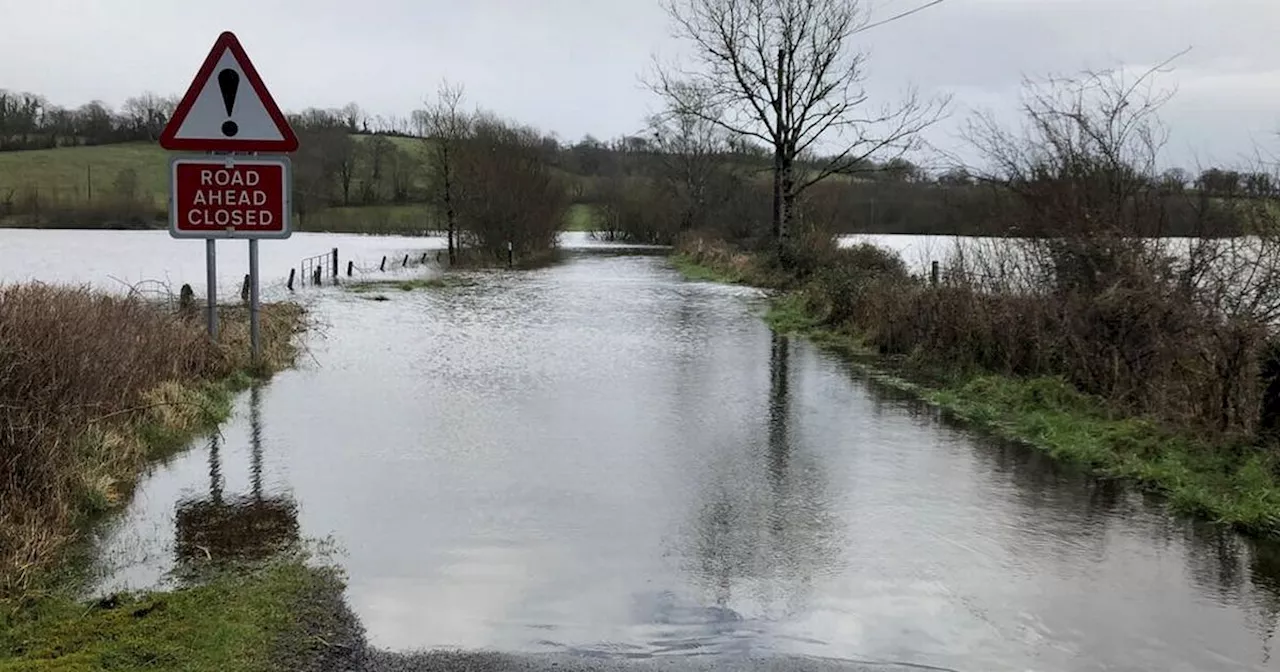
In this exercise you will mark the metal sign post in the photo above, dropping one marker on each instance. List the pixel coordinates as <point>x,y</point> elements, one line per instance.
<point>211,282</point>
<point>253,301</point>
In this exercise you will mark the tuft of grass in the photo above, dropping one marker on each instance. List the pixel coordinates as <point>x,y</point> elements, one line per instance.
<point>242,620</point>
<point>692,269</point>
<point>409,285</point>
<point>789,313</point>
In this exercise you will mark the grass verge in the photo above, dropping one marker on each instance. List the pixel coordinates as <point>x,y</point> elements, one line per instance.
<point>693,270</point>
<point>279,615</point>
<point>95,387</point>
<point>1199,476</point>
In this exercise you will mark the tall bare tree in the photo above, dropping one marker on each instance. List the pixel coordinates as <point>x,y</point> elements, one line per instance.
<point>445,125</point>
<point>690,149</point>
<point>788,73</point>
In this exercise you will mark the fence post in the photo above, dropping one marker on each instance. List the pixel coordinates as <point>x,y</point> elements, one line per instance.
<point>406,261</point>
<point>383,265</point>
<point>291,272</point>
<point>424,258</point>
<point>351,267</point>
<point>510,255</point>
<point>186,301</point>
<point>244,289</point>
<point>335,262</point>
<point>933,274</point>
<point>317,274</point>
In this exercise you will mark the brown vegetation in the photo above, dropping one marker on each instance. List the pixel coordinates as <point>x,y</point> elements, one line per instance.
<point>506,192</point>
<point>91,386</point>
<point>1182,331</point>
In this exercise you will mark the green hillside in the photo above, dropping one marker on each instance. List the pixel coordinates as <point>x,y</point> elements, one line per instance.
<point>70,174</point>
<point>81,185</point>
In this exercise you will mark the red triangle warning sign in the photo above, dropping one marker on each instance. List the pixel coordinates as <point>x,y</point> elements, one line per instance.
<point>228,108</point>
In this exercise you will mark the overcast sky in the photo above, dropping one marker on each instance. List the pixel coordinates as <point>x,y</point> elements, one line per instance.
<point>572,66</point>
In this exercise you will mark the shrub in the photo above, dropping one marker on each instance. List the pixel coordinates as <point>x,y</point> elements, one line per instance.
<point>85,379</point>
<point>506,191</point>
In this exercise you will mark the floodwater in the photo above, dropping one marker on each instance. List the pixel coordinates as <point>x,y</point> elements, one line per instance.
<point>600,457</point>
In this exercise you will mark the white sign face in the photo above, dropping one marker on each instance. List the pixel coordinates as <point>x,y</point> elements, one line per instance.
<point>228,108</point>
<point>213,109</point>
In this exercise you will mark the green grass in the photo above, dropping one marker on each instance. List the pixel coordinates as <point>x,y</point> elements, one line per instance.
<point>580,217</point>
<point>239,621</point>
<point>67,174</point>
<point>407,219</point>
<point>693,270</point>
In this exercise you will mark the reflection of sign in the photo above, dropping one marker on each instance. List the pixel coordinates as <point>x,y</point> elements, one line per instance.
<point>236,528</point>
<point>228,108</point>
<point>240,198</point>
<point>242,528</point>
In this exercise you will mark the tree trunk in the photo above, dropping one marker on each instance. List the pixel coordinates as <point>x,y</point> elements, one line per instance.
<point>450,218</point>
<point>777,196</point>
<point>788,201</point>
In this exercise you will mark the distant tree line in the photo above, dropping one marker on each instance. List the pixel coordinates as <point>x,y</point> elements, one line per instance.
<point>681,172</point>
<point>30,121</point>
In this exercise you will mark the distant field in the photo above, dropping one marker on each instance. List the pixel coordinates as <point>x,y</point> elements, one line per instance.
<point>580,217</point>
<point>71,174</point>
<point>410,219</point>
<point>68,176</point>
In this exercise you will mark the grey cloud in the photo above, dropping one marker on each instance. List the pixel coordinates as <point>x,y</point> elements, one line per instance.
<point>572,66</point>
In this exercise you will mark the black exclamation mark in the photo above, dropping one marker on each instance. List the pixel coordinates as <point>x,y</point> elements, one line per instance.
<point>228,82</point>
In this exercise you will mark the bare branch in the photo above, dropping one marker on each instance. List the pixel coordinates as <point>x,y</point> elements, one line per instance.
<point>787,72</point>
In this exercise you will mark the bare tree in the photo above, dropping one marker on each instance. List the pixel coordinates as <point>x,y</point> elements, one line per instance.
<point>344,157</point>
<point>690,149</point>
<point>147,114</point>
<point>445,126</point>
<point>356,119</point>
<point>787,73</point>
<point>374,151</point>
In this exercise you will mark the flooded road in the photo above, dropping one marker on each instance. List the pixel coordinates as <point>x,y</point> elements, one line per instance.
<point>603,458</point>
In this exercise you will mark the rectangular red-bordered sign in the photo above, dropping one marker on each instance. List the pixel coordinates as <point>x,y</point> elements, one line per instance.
<point>230,197</point>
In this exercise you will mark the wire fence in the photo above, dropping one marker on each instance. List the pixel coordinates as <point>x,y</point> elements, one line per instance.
<point>322,269</point>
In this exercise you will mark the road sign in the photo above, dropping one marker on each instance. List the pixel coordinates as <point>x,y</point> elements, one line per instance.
<point>227,108</point>
<point>226,197</point>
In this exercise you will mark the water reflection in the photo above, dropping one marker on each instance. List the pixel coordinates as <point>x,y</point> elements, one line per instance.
<point>763,529</point>
<point>240,527</point>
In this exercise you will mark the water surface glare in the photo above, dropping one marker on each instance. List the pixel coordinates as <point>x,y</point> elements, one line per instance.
<point>600,457</point>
